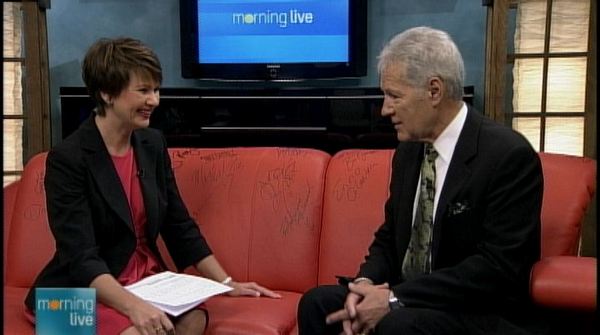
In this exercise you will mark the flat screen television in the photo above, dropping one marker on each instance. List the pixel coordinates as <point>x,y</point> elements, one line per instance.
<point>273,39</point>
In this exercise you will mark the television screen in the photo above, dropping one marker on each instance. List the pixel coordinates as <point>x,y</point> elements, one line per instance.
<point>273,39</point>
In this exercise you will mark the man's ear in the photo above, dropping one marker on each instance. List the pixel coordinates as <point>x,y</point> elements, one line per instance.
<point>436,89</point>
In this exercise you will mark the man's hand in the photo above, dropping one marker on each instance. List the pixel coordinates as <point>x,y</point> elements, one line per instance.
<point>358,317</point>
<point>372,308</point>
<point>347,314</point>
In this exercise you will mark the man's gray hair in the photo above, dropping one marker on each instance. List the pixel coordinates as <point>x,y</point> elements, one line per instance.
<point>426,53</point>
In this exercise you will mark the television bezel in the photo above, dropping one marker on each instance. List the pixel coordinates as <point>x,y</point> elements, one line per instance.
<point>191,68</point>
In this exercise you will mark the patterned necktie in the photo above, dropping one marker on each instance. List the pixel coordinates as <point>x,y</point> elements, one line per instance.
<point>418,256</point>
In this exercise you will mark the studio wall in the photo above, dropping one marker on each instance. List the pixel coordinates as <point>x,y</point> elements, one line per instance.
<point>75,24</point>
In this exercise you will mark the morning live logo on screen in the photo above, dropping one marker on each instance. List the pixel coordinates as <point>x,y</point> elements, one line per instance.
<point>263,31</point>
<point>61,311</point>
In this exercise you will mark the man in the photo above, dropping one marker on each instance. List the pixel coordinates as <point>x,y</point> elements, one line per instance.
<point>462,222</point>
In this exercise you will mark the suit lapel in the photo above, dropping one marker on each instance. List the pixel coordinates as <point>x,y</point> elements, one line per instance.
<point>410,157</point>
<point>458,171</point>
<point>103,171</point>
<point>144,154</point>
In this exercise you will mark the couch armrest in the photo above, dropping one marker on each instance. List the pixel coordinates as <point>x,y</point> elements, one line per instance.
<point>565,282</point>
<point>10,194</point>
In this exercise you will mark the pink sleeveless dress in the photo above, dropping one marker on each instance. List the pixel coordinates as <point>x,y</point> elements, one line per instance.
<point>142,263</point>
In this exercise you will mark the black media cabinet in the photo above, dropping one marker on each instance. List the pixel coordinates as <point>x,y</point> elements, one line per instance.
<point>330,119</point>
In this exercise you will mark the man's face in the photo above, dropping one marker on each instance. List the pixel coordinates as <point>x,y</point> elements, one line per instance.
<point>410,108</point>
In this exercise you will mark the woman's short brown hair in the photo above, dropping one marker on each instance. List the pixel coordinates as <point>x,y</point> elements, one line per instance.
<point>109,63</point>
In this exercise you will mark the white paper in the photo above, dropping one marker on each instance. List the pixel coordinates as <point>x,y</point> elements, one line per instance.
<point>176,293</point>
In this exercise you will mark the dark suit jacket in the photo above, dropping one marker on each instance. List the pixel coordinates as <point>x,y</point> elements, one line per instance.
<point>487,226</point>
<point>89,214</point>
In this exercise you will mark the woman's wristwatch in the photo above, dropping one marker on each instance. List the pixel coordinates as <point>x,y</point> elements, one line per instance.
<point>393,302</point>
<point>227,281</point>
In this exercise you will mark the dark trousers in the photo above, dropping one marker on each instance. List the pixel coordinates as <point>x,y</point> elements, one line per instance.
<point>317,303</point>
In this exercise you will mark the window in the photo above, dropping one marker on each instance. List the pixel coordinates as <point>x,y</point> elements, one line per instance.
<point>541,78</point>
<point>549,66</point>
<point>26,122</point>
<point>540,49</point>
<point>12,90</point>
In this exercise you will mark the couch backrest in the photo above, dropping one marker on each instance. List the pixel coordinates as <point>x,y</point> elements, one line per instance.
<point>569,185</point>
<point>357,186</point>
<point>259,209</point>
<point>30,243</point>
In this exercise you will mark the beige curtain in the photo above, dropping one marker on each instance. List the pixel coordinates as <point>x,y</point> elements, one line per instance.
<point>566,75</point>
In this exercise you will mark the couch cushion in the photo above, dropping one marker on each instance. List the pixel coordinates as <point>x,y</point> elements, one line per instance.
<point>243,315</point>
<point>259,209</point>
<point>30,243</point>
<point>569,184</point>
<point>353,208</point>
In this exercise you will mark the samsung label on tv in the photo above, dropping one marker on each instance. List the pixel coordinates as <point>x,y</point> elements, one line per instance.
<point>268,31</point>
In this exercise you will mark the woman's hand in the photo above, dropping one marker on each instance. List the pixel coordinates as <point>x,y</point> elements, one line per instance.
<point>149,320</point>
<point>210,267</point>
<point>250,289</point>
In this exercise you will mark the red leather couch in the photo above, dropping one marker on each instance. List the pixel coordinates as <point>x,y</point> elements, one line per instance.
<point>292,219</point>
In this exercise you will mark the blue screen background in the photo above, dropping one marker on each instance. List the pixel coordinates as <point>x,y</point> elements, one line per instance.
<point>272,31</point>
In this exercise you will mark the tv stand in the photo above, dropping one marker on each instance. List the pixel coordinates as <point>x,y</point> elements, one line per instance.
<point>330,119</point>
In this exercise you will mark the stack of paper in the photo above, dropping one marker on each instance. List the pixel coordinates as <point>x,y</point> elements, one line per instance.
<point>176,293</point>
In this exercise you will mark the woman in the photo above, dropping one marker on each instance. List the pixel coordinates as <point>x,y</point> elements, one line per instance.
<point>106,215</point>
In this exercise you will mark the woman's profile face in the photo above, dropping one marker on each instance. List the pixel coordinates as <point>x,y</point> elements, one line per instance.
<point>133,107</point>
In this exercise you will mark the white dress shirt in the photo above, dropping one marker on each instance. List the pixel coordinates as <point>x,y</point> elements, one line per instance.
<point>444,145</point>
